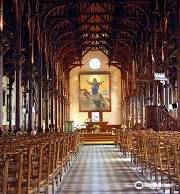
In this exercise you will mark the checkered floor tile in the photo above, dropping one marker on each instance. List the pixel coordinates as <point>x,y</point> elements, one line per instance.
<point>101,169</point>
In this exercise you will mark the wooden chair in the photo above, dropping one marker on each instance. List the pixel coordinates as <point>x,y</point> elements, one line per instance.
<point>30,163</point>
<point>4,164</point>
<point>174,166</point>
<point>157,152</point>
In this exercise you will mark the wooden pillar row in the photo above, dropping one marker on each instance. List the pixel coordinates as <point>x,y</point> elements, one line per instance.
<point>1,78</point>
<point>18,66</point>
<point>178,69</point>
<point>178,95</point>
<point>1,65</point>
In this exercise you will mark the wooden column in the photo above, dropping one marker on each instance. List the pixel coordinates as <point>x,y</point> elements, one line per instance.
<point>178,95</point>
<point>1,78</point>
<point>10,103</point>
<point>178,75</point>
<point>24,106</point>
<point>90,116</point>
<point>148,96</point>
<point>56,112</point>
<point>1,62</point>
<point>136,109</point>
<point>64,111</point>
<point>161,91</point>
<point>30,100</point>
<point>166,88</point>
<point>65,104</point>
<point>170,94</point>
<point>151,93</point>
<point>40,94</point>
<point>18,66</point>
<point>59,111</point>
<point>155,93</point>
<point>61,104</point>
<point>142,108</point>
<point>128,112</point>
<point>178,70</point>
<point>51,111</point>
<point>47,111</point>
<point>141,102</point>
<point>62,114</point>
<point>18,96</point>
<point>123,112</point>
<point>132,111</point>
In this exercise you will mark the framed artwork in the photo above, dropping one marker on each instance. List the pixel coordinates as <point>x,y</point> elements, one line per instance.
<point>94,92</point>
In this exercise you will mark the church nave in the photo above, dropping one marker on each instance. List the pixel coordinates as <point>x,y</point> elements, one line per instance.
<point>89,96</point>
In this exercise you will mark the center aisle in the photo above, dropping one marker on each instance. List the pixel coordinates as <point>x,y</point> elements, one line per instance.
<point>102,169</point>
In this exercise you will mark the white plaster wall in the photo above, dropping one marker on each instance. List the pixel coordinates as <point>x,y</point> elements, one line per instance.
<point>113,117</point>
<point>4,108</point>
<point>5,83</point>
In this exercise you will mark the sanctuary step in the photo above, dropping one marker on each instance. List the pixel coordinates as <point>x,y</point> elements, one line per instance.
<point>98,138</point>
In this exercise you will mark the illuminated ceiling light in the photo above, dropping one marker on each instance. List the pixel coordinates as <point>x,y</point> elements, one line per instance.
<point>94,63</point>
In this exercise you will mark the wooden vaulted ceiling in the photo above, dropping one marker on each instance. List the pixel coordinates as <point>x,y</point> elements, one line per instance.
<point>71,28</point>
<point>114,27</point>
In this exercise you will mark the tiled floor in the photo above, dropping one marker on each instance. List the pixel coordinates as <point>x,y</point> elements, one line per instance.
<point>101,169</point>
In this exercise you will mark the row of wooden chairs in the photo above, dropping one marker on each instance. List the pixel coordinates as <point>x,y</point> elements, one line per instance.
<point>156,153</point>
<point>31,164</point>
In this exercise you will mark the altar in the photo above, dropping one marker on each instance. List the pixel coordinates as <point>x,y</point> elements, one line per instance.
<point>99,132</point>
<point>92,126</point>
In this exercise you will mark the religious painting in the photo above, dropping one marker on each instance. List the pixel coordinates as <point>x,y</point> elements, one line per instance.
<point>95,92</point>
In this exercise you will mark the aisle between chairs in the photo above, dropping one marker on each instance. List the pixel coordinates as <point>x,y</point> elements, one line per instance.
<point>102,169</point>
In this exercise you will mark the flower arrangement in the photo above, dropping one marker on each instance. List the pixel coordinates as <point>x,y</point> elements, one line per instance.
<point>123,127</point>
<point>96,128</point>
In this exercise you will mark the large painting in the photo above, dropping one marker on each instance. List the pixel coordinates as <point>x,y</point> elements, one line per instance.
<point>95,92</point>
